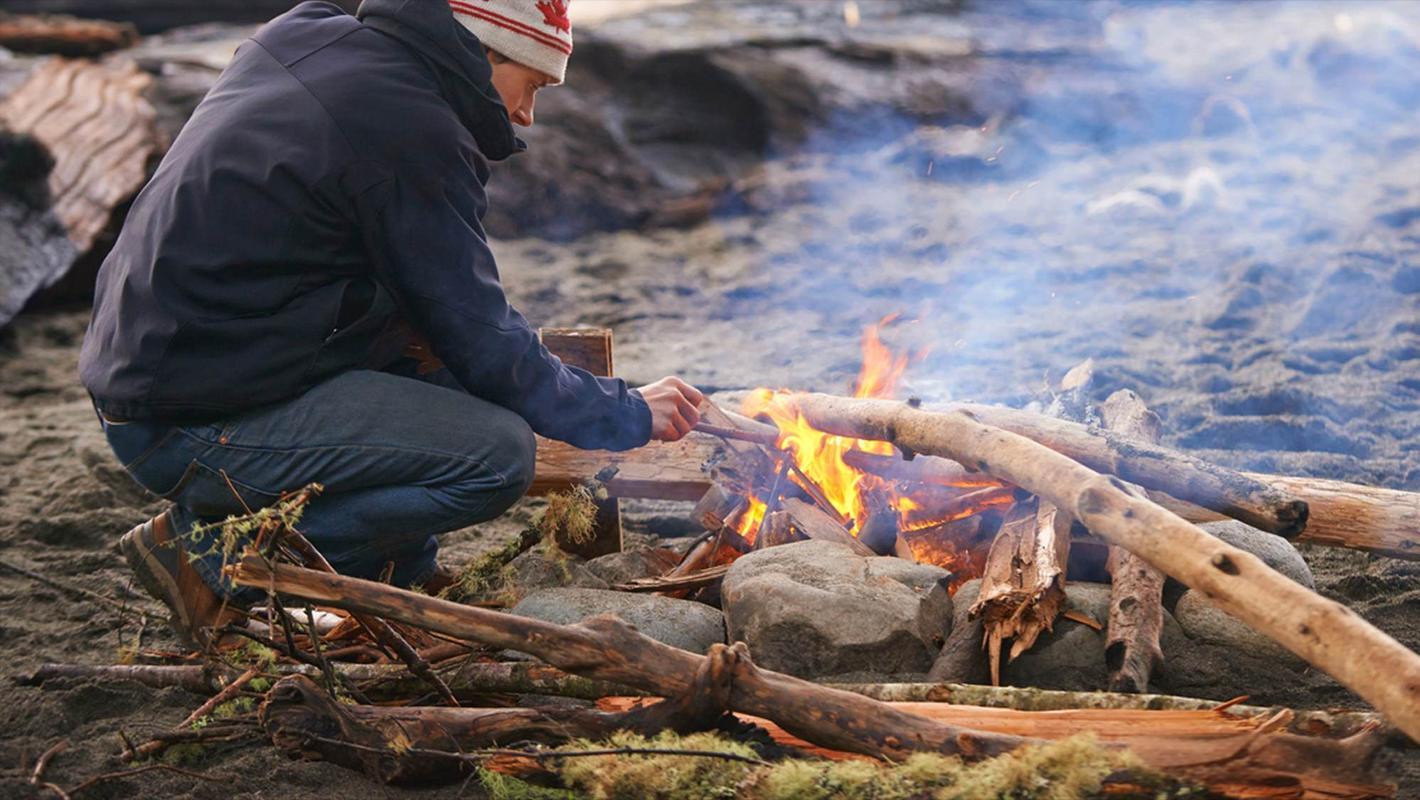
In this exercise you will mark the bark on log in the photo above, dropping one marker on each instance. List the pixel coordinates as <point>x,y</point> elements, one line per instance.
<point>1136,597</point>
<point>1023,588</point>
<point>94,123</point>
<point>61,35</point>
<point>604,648</point>
<point>1253,760</point>
<point>1323,632</point>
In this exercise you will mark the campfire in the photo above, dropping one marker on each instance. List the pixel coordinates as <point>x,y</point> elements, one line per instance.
<point>783,480</point>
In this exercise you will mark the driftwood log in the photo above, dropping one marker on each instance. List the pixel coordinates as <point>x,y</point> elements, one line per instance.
<point>61,35</point>
<point>605,648</point>
<point>1136,596</point>
<point>97,133</point>
<point>1323,632</point>
<point>1023,587</point>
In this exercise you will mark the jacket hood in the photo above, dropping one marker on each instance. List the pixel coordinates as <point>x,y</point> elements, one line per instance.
<point>428,27</point>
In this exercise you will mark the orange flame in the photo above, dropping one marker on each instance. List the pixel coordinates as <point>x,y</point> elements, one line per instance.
<point>856,494</point>
<point>819,455</point>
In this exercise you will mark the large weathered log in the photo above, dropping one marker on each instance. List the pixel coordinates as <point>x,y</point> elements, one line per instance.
<point>605,648</point>
<point>1136,597</point>
<point>1323,632</point>
<point>1023,587</point>
<point>61,35</point>
<point>94,123</point>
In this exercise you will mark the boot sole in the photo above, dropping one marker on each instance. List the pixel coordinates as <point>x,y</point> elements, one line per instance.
<point>155,579</point>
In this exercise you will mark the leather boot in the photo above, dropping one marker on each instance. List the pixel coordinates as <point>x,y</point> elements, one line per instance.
<point>161,565</point>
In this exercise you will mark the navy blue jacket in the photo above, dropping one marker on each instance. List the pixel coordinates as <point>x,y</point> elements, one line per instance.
<point>331,182</point>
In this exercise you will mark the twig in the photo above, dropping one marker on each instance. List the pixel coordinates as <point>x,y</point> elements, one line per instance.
<point>128,773</point>
<point>771,503</point>
<point>227,693</point>
<point>78,591</point>
<point>37,777</point>
<point>754,437</point>
<point>474,756</point>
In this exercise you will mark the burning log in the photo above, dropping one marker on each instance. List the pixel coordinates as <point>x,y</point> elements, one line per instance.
<point>1023,588</point>
<point>1136,599</point>
<point>1323,632</point>
<point>813,523</point>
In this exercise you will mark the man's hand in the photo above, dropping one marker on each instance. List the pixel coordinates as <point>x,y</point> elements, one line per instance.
<point>675,407</point>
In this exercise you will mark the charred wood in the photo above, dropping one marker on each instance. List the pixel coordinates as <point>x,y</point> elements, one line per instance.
<point>61,35</point>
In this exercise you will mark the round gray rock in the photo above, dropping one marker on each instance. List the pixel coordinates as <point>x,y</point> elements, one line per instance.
<point>816,608</point>
<point>630,565</point>
<point>1275,552</point>
<point>1204,622</point>
<point>679,623</point>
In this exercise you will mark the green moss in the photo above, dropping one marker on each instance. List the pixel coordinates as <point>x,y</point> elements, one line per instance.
<point>504,787</point>
<point>1064,770</point>
<point>570,515</point>
<point>631,777</point>
<point>184,753</point>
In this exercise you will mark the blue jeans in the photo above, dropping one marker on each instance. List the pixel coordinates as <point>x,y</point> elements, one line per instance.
<point>402,459</point>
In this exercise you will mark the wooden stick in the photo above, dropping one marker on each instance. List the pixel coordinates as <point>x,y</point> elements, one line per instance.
<point>606,648</point>
<point>766,439</point>
<point>1323,632</point>
<point>815,524</point>
<point>1136,596</point>
<point>384,633</point>
<point>221,697</point>
<point>1023,588</point>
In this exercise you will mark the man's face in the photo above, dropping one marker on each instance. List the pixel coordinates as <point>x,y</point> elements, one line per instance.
<point>517,86</point>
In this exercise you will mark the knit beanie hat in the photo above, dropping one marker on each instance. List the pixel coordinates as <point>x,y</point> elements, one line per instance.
<point>534,33</point>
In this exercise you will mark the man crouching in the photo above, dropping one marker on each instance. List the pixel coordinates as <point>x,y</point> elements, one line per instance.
<point>327,194</point>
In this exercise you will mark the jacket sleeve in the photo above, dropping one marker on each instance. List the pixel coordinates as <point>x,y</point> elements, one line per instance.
<point>424,235</point>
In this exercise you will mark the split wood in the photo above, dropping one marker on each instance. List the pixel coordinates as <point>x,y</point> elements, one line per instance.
<point>1323,632</point>
<point>1023,587</point>
<point>606,648</point>
<point>1136,595</point>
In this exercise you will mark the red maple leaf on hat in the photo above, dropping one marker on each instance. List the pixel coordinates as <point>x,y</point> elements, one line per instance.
<point>554,13</point>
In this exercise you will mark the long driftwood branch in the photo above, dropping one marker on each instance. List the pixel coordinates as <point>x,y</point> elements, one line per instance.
<point>604,648</point>
<point>1323,632</point>
<point>1136,597</point>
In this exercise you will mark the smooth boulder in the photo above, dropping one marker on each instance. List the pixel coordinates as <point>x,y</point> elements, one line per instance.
<point>678,623</point>
<point>814,609</point>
